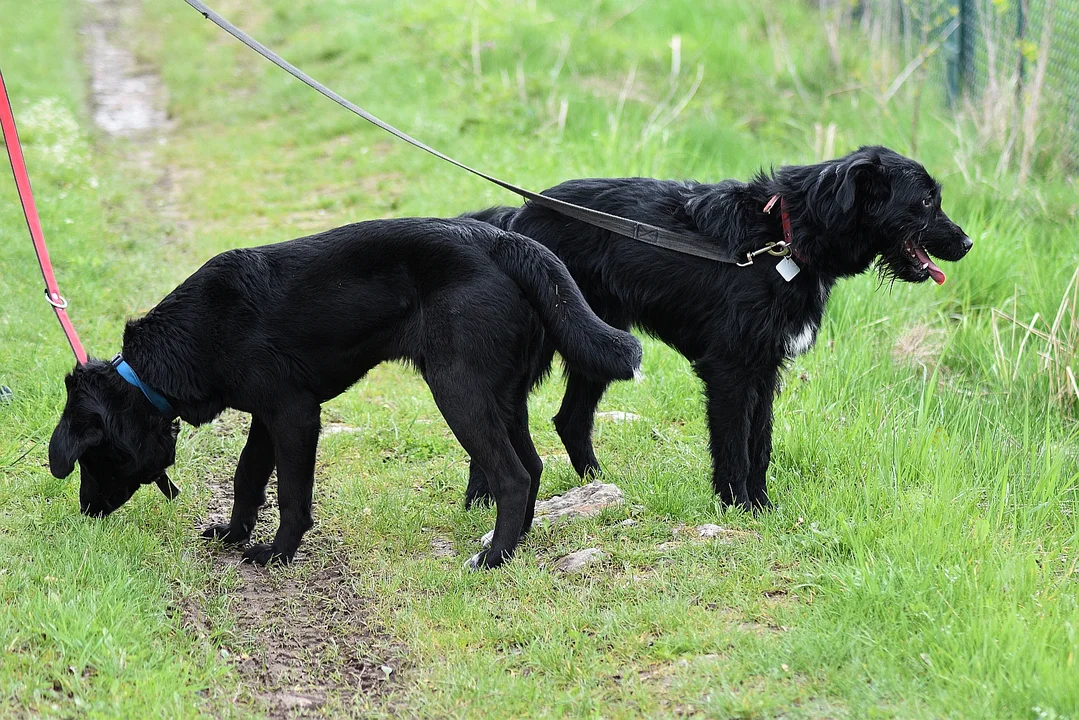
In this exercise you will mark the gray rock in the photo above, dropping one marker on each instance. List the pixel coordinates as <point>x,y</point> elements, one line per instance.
<point>584,501</point>
<point>577,561</point>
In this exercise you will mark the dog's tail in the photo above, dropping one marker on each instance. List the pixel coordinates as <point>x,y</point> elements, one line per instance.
<point>587,343</point>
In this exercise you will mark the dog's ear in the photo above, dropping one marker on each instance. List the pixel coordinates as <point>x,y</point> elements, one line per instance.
<point>164,484</point>
<point>68,443</point>
<point>860,176</point>
<point>850,175</point>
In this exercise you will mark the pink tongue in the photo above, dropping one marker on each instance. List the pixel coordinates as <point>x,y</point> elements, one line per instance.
<point>934,272</point>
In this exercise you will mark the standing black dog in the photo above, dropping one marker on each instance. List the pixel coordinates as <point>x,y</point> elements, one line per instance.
<point>737,325</point>
<point>277,330</point>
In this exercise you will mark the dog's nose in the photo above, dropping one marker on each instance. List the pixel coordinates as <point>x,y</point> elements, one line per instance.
<point>967,244</point>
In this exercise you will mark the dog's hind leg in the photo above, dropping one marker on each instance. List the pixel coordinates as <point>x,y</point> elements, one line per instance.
<point>465,401</point>
<point>732,398</point>
<point>522,443</point>
<point>477,493</point>
<point>294,428</point>
<point>574,421</point>
<point>249,486</point>
<point>760,443</point>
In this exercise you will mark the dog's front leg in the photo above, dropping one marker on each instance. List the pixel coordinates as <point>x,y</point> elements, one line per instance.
<point>760,443</point>
<point>249,486</point>
<point>731,399</point>
<point>294,430</point>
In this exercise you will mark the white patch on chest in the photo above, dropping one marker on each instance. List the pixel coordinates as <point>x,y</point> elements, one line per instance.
<point>800,343</point>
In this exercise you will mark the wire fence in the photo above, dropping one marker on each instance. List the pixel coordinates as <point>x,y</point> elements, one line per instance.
<point>1011,66</point>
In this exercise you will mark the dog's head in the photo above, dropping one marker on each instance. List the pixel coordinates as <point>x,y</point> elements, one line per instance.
<point>876,205</point>
<point>119,439</point>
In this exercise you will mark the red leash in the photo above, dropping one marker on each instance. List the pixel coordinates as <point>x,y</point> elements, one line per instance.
<point>26,197</point>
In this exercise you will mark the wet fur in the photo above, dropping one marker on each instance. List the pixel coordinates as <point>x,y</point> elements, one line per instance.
<point>737,326</point>
<point>277,330</point>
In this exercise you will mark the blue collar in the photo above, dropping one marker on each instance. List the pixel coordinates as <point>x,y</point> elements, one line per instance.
<point>128,373</point>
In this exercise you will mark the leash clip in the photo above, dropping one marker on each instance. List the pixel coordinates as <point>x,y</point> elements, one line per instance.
<point>55,299</point>
<point>780,249</point>
<point>776,249</point>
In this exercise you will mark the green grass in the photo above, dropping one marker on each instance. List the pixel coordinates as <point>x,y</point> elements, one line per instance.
<point>921,562</point>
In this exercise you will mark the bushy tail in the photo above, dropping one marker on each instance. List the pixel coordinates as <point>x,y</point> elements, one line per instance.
<point>587,343</point>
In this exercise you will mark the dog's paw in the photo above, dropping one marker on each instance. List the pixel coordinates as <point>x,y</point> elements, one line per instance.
<point>587,466</point>
<point>760,504</point>
<point>485,560</point>
<point>227,534</point>
<point>478,498</point>
<point>264,554</point>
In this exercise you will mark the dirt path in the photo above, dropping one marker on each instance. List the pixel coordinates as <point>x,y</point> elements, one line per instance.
<point>302,641</point>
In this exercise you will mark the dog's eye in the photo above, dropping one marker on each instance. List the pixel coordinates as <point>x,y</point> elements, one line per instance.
<point>927,202</point>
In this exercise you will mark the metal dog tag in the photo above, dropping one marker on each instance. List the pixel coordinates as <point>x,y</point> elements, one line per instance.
<point>788,269</point>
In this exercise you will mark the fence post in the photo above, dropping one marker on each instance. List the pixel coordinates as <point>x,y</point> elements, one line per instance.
<point>957,51</point>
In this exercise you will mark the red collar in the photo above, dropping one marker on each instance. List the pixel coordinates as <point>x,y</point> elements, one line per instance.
<point>785,219</point>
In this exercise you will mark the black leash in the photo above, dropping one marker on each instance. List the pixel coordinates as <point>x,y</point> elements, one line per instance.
<point>697,245</point>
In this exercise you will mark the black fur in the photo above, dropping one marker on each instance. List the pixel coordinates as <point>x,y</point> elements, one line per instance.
<point>277,330</point>
<point>738,326</point>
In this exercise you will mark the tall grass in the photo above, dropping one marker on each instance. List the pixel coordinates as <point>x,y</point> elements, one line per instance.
<point>921,559</point>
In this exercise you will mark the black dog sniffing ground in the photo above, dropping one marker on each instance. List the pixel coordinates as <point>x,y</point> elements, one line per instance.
<point>736,325</point>
<point>277,330</point>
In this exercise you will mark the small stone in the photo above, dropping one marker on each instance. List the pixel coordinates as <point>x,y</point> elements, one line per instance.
<point>628,522</point>
<point>5,394</point>
<point>618,416</point>
<point>337,428</point>
<point>577,561</point>
<point>288,700</point>
<point>709,531</point>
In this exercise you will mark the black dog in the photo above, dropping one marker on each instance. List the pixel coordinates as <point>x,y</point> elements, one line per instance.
<point>277,330</point>
<point>737,325</point>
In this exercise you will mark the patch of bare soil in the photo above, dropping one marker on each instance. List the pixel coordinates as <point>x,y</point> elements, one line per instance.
<point>129,103</point>
<point>127,99</point>
<point>302,640</point>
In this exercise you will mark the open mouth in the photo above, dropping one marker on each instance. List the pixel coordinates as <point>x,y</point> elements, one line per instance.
<point>918,254</point>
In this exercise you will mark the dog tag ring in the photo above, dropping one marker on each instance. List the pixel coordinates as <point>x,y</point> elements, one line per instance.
<point>788,269</point>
